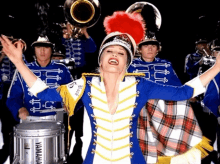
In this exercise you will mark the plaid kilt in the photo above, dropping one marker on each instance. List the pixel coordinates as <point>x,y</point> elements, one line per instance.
<point>167,128</point>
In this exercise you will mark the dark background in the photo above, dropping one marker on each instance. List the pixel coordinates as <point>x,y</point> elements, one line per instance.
<point>178,31</point>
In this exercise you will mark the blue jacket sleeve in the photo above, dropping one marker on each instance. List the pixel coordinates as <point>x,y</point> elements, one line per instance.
<point>15,96</point>
<point>130,69</point>
<point>191,67</point>
<point>89,45</point>
<point>166,92</point>
<point>212,97</point>
<point>67,77</point>
<point>50,94</point>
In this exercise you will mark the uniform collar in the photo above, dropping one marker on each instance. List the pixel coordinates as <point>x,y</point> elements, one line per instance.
<point>40,65</point>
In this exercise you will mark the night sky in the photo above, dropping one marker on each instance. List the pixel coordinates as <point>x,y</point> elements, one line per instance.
<point>177,33</point>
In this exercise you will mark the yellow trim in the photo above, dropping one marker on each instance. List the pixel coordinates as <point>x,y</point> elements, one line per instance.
<point>128,87</point>
<point>120,138</point>
<point>117,120</point>
<point>102,119</point>
<point>134,95</point>
<point>134,74</point>
<point>68,100</point>
<point>109,149</point>
<point>108,139</point>
<point>122,128</point>
<point>125,108</point>
<point>94,107</point>
<point>90,74</point>
<point>98,99</point>
<point>104,128</point>
<point>103,146</point>
<point>113,130</point>
<point>97,88</point>
<point>112,160</point>
<point>204,144</point>
<point>126,74</point>
<point>121,147</point>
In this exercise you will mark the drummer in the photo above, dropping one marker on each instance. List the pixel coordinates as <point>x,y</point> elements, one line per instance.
<point>20,101</point>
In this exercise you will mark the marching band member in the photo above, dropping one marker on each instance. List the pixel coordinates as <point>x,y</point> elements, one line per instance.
<point>20,101</point>
<point>211,100</point>
<point>195,65</point>
<point>77,47</point>
<point>194,61</point>
<point>113,98</point>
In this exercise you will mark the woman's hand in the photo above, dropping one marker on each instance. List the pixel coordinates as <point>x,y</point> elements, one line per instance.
<point>13,53</point>
<point>217,63</point>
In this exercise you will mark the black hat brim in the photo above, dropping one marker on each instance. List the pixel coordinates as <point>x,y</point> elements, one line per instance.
<point>149,42</point>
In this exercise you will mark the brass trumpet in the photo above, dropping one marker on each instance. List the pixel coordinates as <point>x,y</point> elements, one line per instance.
<point>81,14</point>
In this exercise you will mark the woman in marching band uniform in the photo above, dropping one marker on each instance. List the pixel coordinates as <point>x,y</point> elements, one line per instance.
<point>114,98</point>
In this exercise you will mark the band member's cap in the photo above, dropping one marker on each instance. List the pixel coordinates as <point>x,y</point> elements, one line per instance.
<point>201,40</point>
<point>149,40</point>
<point>215,45</point>
<point>42,41</point>
<point>122,29</point>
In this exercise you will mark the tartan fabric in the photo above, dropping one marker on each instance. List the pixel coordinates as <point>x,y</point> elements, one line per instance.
<point>167,128</point>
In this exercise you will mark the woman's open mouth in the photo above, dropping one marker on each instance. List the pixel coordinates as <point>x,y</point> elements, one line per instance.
<point>113,61</point>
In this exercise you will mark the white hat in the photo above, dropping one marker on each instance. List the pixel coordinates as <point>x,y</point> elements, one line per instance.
<point>42,41</point>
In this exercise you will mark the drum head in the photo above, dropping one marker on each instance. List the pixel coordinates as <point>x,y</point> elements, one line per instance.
<point>39,129</point>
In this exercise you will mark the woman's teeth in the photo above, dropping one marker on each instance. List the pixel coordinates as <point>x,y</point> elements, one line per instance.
<point>113,61</point>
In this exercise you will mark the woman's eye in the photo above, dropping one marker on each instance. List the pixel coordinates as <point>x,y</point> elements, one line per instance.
<point>121,53</point>
<point>109,51</point>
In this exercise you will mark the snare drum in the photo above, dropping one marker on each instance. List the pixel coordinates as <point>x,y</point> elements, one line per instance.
<point>39,142</point>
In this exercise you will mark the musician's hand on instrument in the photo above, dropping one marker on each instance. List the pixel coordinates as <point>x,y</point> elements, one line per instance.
<point>66,35</point>
<point>23,113</point>
<point>14,53</point>
<point>84,32</point>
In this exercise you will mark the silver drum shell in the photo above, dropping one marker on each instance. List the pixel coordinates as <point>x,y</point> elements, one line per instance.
<point>39,142</point>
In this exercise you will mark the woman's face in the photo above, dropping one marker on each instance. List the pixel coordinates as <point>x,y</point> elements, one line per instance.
<point>113,59</point>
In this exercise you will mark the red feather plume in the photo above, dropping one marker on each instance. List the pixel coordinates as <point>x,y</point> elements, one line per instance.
<point>125,23</point>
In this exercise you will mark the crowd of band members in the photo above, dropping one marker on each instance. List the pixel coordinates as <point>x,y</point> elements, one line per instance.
<point>17,103</point>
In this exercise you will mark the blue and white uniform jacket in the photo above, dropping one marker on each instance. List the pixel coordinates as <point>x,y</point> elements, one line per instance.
<point>53,75</point>
<point>159,71</point>
<point>76,48</point>
<point>113,137</point>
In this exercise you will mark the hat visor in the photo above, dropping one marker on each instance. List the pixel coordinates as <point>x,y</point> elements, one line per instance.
<point>149,42</point>
<point>42,44</point>
<point>216,49</point>
<point>201,41</point>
